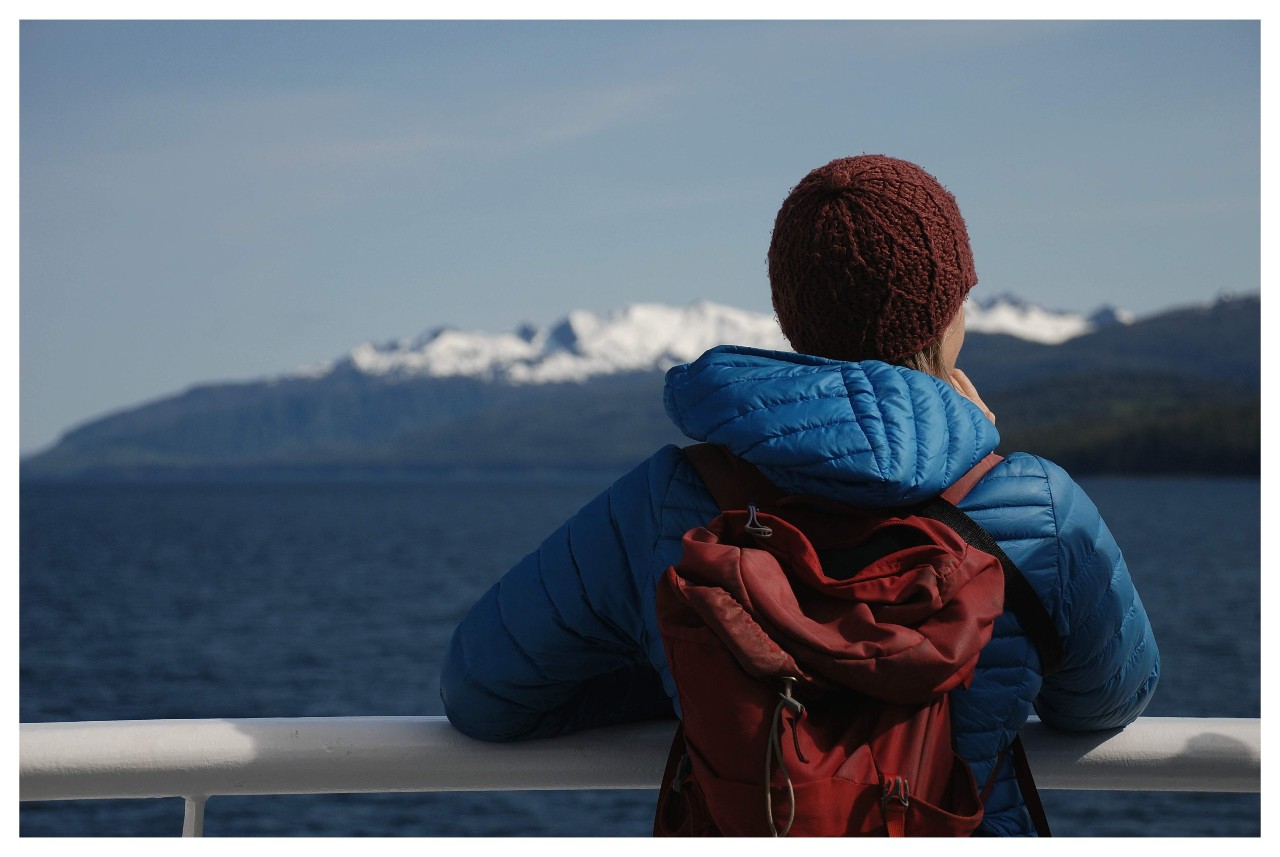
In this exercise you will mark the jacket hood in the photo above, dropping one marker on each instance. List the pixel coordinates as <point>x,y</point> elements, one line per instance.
<point>866,433</point>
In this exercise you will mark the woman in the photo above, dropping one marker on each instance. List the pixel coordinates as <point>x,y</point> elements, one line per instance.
<point>869,267</point>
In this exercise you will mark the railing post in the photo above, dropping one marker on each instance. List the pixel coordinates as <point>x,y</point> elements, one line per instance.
<point>193,816</point>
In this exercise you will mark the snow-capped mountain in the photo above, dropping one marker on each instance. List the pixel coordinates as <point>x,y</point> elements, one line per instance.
<point>580,346</point>
<point>428,404</point>
<point>1013,316</point>
<point>649,336</point>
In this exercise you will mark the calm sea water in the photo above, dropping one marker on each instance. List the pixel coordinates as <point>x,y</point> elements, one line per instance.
<point>195,601</point>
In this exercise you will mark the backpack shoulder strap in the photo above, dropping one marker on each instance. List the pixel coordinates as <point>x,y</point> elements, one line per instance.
<point>733,482</point>
<point>965,483</point>
<point>1019,596</point>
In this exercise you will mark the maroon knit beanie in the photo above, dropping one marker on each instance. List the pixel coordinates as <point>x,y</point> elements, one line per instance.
<point>869,259</point>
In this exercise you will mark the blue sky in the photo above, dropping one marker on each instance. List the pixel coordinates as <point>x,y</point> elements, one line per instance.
<point>206,201</point>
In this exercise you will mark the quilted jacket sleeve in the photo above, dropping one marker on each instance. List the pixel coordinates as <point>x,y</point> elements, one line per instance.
<point>1111,664</point>
<point>558,644</point>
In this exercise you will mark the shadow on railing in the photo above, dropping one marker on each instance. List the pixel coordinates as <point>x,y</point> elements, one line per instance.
<point>197,759</point>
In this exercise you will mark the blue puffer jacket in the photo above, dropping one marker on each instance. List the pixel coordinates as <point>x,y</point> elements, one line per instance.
<point>568,639</point>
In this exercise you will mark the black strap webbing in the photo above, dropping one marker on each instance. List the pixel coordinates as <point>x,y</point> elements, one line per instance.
<point>1036,623</point>
<point>1027,785</point>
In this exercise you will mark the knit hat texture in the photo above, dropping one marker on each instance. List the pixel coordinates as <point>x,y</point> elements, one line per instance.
<point>869,259</point>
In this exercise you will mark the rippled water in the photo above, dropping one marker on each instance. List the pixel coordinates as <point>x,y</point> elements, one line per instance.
<point>193,601</point>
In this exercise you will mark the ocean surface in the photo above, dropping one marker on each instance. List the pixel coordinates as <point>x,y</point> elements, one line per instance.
<point>300,600</point>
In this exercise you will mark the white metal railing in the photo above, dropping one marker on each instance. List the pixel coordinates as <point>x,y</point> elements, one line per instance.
<point>196,759</point>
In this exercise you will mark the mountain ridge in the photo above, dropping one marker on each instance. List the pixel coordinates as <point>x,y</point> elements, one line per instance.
<point>651,336</point>
<point>592,397</point>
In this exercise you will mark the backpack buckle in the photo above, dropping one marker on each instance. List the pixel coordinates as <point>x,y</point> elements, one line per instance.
<point>893,801</point>
<point>895,789</point>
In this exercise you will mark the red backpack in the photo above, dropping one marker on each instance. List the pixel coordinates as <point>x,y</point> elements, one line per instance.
<point>813,646</point>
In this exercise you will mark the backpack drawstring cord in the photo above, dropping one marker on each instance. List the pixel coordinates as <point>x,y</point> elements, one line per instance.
<point>755,527</point>
<point>774,749</point>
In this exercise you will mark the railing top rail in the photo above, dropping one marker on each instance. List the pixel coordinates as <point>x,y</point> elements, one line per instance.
<point>185,758</point>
